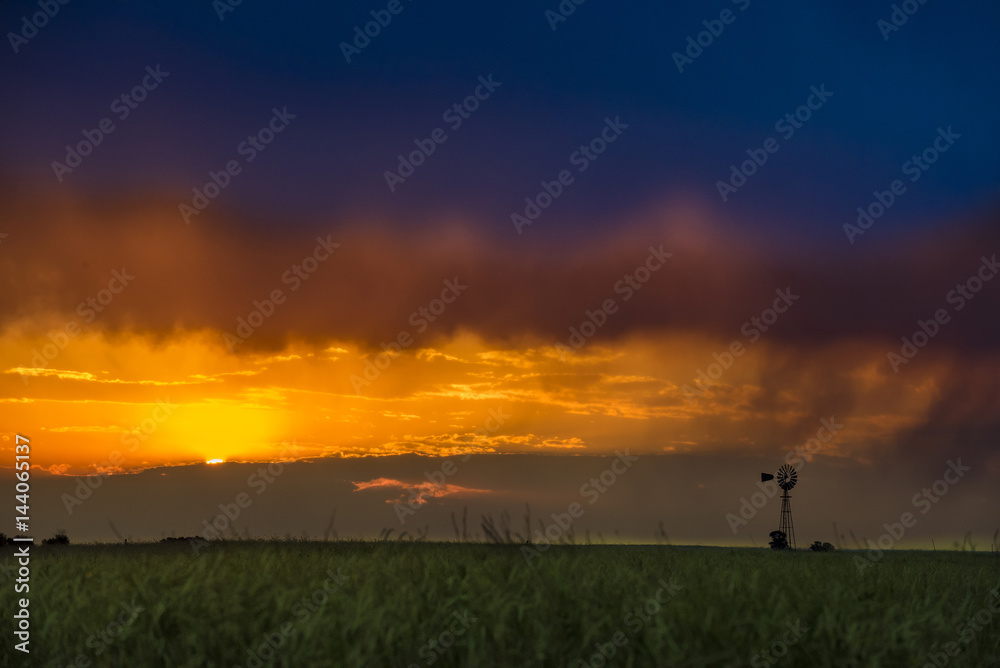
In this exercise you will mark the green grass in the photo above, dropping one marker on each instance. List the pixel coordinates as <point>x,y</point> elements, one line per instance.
<point>211,608</point>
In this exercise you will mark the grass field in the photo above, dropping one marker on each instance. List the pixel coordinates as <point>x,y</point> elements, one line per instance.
<point>405,604</point>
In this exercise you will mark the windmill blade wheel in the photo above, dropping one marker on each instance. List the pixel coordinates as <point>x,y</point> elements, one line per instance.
<point>787,477</point>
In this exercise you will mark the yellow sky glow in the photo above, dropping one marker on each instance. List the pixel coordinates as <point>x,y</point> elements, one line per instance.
<point>130,402</point>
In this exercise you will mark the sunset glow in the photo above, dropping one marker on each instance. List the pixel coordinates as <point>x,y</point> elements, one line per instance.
<point>500,333</point>
<point>553,284</point>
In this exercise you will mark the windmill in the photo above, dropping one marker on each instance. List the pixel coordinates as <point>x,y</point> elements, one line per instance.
<point>787,477</point>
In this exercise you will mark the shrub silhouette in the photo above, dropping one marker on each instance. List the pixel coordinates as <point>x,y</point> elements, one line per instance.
<point>59,539</point>
<point>822,547</point>
<point>189,539</point>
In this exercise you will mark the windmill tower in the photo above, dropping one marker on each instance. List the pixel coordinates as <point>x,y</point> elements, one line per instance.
<point>787,477</point>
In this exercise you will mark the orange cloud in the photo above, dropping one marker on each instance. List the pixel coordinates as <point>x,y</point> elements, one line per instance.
<point>416,493</point>
<point>99,391</point>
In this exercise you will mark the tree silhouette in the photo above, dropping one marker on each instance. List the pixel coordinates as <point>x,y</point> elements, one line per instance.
<point>59,539</point>
<point>779,541</point>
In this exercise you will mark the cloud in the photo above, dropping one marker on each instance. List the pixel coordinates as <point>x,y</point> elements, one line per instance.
<point>86,376</point>
<point>495,344</point>
<point>416,493</point>
<point>89,429</point>
<point>207,276</point>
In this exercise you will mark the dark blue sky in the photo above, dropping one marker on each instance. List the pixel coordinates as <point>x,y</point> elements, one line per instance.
<point>685,129</point>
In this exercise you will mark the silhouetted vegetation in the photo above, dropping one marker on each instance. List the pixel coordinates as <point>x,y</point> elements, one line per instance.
<point>421,534</point>
<point>462,535</point>
<point>822,547</point>
<point>188,539</point>
<point>501,533</point>
<point>779,541</point>
<point>59,539</point>
<point>966,544</point>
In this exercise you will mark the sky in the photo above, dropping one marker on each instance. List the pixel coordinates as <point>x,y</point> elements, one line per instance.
<point>480,255</point>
